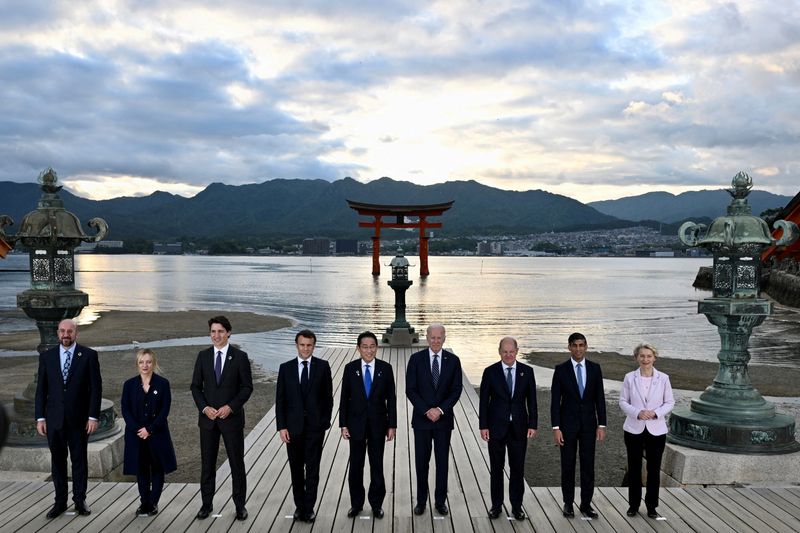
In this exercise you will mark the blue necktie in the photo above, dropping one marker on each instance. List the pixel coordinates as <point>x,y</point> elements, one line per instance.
<point>510,381</point>
<point>580,379</point>
<point>67,362</point>
<point>435,371</point>
<point>304,379</point>
<point>367,380</point>
<point>218,367</point>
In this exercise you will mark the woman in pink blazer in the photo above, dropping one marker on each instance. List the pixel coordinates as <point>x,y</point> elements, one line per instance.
<point>646,399</point>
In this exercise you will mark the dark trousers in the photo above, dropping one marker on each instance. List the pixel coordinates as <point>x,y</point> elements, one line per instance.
<point>234,447</point>
<point>73,440</point>
<point>150,477</point>
<point>581,443</point>
<point>653,447</point>
<point>426,440</point>
<point>305,453</point>
<point>374,445</point>
<point>517,446</point>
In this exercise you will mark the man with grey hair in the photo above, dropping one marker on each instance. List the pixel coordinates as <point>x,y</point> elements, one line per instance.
<point>68,395</point>
<point>433,386</point>
<point>508,417</point>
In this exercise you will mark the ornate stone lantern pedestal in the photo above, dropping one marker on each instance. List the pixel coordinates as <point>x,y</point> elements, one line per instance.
<point>400,333</point>
<point>730,433</point>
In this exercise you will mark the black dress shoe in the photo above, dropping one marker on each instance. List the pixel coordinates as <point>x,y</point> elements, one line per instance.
<point>310,517</point>
<point>494,512</point>
<point>153,511</point>
<point>57,510</point>
<point>632,512</point>
<point>377,512</point>
<point>589,512</point>
<point>141,510</point>
<point>651,513</point>
<point>297,515</point>
<point>569,511</point>
<point>419,509</point>
<point>241,513</point>
<point>353,512</point>
<point>81,509</point>
<point>519,514</point>
<point>204,511</point>
<point>442,508</point>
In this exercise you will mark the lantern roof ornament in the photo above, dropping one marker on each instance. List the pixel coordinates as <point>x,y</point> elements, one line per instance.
<point>739,230</point>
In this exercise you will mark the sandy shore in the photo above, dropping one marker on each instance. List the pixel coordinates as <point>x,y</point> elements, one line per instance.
<point>177,364</point>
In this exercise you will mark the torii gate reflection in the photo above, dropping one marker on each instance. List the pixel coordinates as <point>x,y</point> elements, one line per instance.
<point>401,213</point>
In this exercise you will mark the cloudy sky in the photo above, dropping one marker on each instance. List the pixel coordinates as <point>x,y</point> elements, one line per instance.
<point>591,99</point>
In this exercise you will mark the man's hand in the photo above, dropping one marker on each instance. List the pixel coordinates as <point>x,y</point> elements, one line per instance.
<point>390,434</point>
<point>485,434</point>
<point>433,414</point>
<point>41,428</point>
<point>91,426</point>
<point>224,411</point>
<point>558,437</point>
<point>345,433</point>
<point>210,412</point>
<point>143,433</point>
<point>284,433</point>
<point>532,433</point>
<point>601,434</point>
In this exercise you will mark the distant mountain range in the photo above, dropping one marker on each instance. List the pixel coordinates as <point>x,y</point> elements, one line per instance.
<point>298,208</point>
<point>666,207</point>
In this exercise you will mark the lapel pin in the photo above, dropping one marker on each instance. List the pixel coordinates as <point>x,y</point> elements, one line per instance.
<point>358,373</point>
<point>155,392</point>
<point>79,354</point>
<point>230,357</point>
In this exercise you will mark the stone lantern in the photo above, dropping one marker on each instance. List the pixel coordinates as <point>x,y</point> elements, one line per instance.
<point>50,234</point>
<point>400,333</point>
<point>731,415</point>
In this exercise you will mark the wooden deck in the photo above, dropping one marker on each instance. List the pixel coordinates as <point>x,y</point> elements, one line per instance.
<point>23,504</point>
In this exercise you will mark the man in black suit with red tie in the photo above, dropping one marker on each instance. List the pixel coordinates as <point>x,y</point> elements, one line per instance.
<point>368,418</point>
<point>508,417</point>
<point>433,386</point>
<point>578,414</point>
<point>221,384</point>
<point>303,409</point>
<point>67,405</point>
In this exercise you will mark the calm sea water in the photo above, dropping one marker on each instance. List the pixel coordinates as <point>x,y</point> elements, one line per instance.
<point>615,302</point>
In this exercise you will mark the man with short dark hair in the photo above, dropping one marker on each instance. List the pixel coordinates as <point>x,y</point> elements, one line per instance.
<point>508,417</point>
<point>303,408</point>
<point>433,386</point>
<point>221,384</point>
<point>578,414</point>
<point>368,418</point>
<point>68,395</point>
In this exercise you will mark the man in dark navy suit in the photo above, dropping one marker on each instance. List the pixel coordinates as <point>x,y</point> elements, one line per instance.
<point>433,386</point>
<point>303,409</point>
<point>368,418</point>
<point>578,414</point>
<point>68,394</point>
<point>508,417</point>
<point>221,384</point>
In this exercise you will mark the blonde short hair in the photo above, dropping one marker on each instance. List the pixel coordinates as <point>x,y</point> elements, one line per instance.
<point>647,346</point>
<point>147,351</point>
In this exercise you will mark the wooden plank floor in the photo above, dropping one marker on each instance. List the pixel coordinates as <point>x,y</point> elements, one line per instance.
<point>23,504</point>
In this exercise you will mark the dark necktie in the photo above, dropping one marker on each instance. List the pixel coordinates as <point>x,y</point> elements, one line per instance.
<point>218,367</point>
<point>510,381</point>
<point>67,363</point>
<point>580,379</point>
<point>435,371</point>
<point>304,379</point>
<point>367,380</point>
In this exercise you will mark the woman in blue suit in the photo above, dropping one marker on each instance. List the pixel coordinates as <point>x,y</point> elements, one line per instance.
<point>149,453</point>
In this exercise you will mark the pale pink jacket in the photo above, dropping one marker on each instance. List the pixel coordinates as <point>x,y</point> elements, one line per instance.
<point>659,399</point>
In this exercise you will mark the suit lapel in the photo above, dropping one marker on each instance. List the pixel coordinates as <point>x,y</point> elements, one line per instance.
<point>226,365</point>
<point>76,357</point>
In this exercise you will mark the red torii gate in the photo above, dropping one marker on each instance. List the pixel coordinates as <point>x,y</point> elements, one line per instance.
<point>400,212</point>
